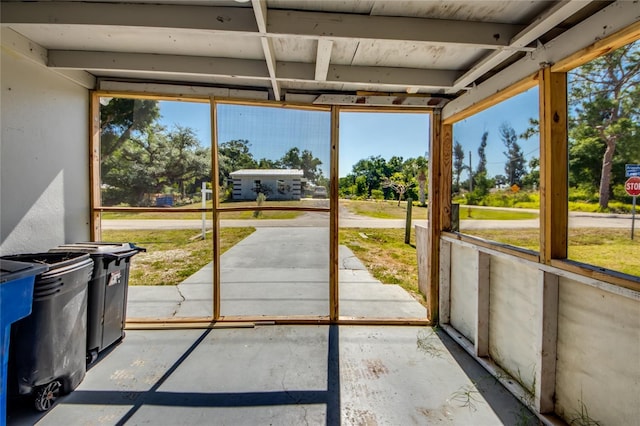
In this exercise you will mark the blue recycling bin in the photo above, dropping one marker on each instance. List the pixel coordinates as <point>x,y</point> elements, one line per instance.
<point>16,300</point>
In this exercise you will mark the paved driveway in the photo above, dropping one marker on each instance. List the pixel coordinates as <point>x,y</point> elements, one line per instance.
<point>278,271</point>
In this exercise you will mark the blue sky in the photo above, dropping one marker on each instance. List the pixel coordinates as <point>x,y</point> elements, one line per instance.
<point>361,134</point>
<point>273,131</point>
<point>515,111</point>
<point>188,114</point>
<point>365,134</point>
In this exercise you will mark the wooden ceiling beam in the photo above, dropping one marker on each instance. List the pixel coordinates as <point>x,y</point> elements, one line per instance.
<point>147,62</point>
<point>260,12</point>
<point>259,21</point>
<point>323,59</point>
<point>248,68</point>
<point>362,27</point>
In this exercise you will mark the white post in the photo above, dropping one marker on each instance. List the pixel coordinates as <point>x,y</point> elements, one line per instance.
<point>203,191</point>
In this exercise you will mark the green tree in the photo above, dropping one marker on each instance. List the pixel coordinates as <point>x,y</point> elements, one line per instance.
<point>373,169</point>
<point>515,165</point>
<point>234,155</point>
<point>395,164</point>
<point>532,179</point>
<point>291,159</point>
<point>186,160</point>
<point>305,161</point>
<point>605,96</point>
<point>398,183</point>
<point>121,118</point>
<point>481,182</point>
<point>133,171</point>
<point>347,186</point>
<point>421,168</point>
<point>532,130</point>
<point>310,166</point>
<point>458,165</point>
<point>266,163</point>
<point>482,155</point>
<point>155,160</point>
<point>362,187</point>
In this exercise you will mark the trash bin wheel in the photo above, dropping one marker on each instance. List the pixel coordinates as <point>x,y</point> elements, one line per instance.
<point>92,356</point>
<point>46,395</point>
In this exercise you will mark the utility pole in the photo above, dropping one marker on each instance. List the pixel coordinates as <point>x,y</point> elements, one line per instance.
<point>470,174</point>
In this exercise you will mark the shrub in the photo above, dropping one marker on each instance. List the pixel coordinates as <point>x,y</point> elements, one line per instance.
<point>473,199</point>
<point>584,192</point>
<point>260,199</point>
<point>377,194</point>
<point>620,194</point>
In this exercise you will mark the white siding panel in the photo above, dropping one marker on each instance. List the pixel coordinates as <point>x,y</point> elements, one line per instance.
<point>464,290</point>
<point>514,321</point>
<point>598,365</point>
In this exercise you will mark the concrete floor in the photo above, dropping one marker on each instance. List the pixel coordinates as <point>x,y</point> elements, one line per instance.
<point>284,375</point>
<point>277,374</point>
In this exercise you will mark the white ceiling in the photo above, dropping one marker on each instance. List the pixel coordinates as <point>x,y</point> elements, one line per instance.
<point>439,48</point>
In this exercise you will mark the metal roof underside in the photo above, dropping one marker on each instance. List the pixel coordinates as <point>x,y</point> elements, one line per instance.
<point>436,48</point>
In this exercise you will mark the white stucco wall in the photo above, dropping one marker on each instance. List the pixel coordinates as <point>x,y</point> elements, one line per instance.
<point>44,158</point>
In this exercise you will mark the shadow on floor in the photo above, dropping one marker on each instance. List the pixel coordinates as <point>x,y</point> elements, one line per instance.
<point>284,375</point>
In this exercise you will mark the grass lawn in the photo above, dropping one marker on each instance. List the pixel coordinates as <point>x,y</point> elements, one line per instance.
<point>172,255</point>
<point>610,248</point>
<point>467,212</point>
<point>176,214</point>
<point>386,256</point>
<point>384,209</point>
<point>391,210</point>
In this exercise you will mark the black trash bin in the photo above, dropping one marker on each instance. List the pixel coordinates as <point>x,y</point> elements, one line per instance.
<point>47,350</point>
<point>107,304</point>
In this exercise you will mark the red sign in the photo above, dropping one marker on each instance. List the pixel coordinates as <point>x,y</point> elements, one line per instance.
<point>632,186</point>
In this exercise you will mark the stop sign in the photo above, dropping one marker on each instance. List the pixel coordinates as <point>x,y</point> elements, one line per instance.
<point>632,185</point>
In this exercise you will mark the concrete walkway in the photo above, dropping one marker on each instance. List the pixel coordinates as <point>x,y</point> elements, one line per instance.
<point>278,272</point>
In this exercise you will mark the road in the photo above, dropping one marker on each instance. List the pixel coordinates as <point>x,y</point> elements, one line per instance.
<point>349,220</point>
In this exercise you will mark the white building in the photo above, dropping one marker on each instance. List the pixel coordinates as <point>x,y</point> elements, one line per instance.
<point>276,184</point>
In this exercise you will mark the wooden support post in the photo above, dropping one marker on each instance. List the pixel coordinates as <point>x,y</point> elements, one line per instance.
<point>95,218</point>
<point>407,225</point>
<point>482,312</point>
<point>334,296</point>
<point>446,174</point>
<point>547,345</point>
<point>215,196</point>
<point>554,166</point>
<point>435,215</point>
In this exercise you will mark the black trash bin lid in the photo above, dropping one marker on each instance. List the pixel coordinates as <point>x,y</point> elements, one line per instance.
<point>53,260</point>
<point>13,270</point>
<point>98,247</point>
